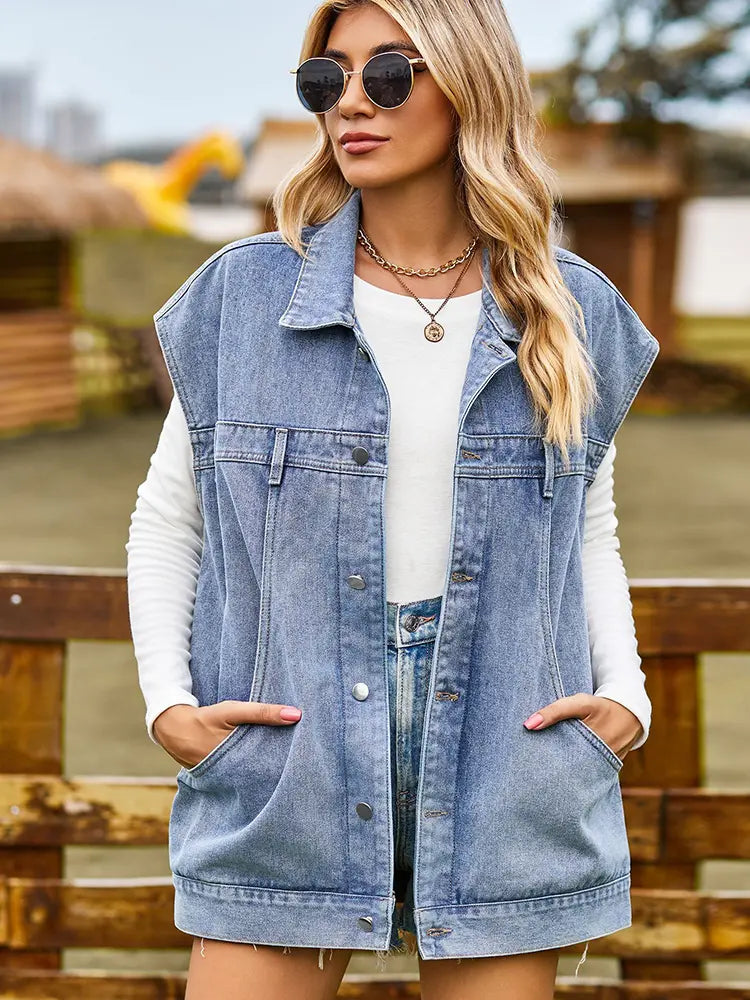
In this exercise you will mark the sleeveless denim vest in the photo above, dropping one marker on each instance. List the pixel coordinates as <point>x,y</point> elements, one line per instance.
<point>284,834</point>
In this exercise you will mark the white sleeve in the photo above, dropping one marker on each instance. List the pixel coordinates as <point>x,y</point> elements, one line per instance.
<point>164,550</point>
<point>614,649</point>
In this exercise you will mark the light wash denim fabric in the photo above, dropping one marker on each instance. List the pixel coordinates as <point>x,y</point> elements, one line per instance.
<point>285,834</point>
<point>412,627</point>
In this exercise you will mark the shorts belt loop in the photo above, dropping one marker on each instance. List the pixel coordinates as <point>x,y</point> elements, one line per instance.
<point>549,468</point>
<point>279,450</point>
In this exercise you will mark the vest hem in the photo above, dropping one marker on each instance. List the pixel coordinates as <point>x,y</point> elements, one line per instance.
<point>297,918</point>
<point>514,927</point>
<point>316,919</point>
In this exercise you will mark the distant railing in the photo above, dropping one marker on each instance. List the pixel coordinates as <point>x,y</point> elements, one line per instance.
<point>674,822</point>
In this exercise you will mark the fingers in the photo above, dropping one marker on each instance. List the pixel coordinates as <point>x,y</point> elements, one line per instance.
<point>572,705</point>
<point>588,708</point>
<point>262,713</point>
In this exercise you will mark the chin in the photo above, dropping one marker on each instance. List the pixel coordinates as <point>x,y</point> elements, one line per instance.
<point>373,178</point>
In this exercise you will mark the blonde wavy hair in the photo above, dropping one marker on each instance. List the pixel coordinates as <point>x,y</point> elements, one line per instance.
<point>503,185</point>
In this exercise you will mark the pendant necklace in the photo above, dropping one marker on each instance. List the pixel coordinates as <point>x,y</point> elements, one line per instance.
<point>434,331</point>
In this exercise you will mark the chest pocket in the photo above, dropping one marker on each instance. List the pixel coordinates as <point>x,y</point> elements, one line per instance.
<point>276,447</point>
<point>518,456</point>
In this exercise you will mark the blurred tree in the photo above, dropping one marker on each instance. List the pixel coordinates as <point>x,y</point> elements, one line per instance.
<point>641,57</point>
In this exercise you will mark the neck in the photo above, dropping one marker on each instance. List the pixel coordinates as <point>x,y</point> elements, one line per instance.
<point>416,223</point>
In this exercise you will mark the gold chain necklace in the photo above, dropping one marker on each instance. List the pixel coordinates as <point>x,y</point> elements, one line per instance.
<point>434,331</point>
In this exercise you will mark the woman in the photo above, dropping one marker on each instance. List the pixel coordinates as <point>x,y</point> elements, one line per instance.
<point>438,769</point>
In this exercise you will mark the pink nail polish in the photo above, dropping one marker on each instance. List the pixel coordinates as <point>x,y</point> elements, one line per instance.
<point>534,720</point>
<point>289,714</point>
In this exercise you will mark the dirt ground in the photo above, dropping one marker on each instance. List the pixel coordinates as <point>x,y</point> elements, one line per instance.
<point>682,486</point>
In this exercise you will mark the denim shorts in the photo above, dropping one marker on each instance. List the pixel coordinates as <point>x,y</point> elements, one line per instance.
<point>412,628</point>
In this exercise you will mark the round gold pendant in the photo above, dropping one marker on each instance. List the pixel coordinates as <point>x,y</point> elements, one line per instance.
<point>434,331</point>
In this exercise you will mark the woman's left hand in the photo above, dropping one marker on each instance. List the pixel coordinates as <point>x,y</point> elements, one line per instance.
<point>615,724</point>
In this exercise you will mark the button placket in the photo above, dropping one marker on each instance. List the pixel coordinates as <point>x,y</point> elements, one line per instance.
<point>360,691</point>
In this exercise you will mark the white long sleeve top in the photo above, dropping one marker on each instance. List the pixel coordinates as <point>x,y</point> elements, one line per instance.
<point>424,380</point>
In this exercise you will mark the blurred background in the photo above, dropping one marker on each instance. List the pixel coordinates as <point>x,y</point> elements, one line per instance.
<point>136,139</point>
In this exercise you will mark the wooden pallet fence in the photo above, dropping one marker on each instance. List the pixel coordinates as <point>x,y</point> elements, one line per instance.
<point>674,821</point>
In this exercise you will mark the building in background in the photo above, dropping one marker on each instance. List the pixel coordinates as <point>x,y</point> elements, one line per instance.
<point>73,131</point>
<point>18,104</point>
<point>70,129</point>
<point>621,205</point>
<point>44,202</point>
<point>280,145</point>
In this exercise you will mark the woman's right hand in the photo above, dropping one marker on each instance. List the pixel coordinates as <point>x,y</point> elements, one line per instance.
<point>189,734</point>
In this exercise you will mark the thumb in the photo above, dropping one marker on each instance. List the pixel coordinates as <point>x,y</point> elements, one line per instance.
<point>563,708</point>
<point>260,712</point>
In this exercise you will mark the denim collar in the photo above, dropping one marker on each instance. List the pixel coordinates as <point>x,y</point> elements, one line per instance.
<point>324,293</point>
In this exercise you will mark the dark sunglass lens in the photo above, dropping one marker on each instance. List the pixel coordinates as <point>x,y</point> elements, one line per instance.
<point>387,79</point>
<point>319,84</point>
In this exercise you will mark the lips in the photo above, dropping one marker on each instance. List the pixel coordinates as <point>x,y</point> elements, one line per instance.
<point>361,142</point>
<point>360,136</point>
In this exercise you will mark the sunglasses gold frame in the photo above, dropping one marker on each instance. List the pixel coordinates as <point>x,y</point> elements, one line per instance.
<point>355,72</point>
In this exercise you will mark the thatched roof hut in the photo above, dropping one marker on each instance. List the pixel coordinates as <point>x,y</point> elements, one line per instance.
<point>44,201</point>
<point>42,193</point>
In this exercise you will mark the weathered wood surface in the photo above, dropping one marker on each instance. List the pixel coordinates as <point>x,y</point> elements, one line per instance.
<point>673,822</point>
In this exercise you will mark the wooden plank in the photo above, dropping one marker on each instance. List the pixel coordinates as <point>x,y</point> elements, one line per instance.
<point>148,986</point>
<point>665,828</point>
<point>35,317</point>
<point>30,740</point>
<point>36,810</point>
<point>16,365</point>
<point>701,824</point>
<point>668,925</point>
<point>30,708</point>
<point>671,757</point>
<point>92,913</point>
<point>92,986</point>
<point>674,759</point>
<point>41,338</point>
<point>35,382</point>
<point>63,603</point>
<point>678,616</point>
<point>58,386</point>
<point>63,403</point>
<point>673,617</point>
<point>355,986</point>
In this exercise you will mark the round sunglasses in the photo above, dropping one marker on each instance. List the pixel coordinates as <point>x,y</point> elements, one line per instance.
<point>387,79</point>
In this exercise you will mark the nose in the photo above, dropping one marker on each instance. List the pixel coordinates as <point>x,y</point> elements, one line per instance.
<point>355,100</point>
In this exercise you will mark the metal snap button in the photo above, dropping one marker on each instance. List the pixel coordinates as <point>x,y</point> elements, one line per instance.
<point>356,582</point>
<point>360,455</point>
<point>365,923</point>
<point>411,624</point>
<point>360,691</point>
<point>364,810</point>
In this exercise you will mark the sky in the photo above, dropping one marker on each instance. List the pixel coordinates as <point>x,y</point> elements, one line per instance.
<point>167,69</point>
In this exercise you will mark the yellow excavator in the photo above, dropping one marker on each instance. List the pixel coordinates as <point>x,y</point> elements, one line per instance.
<point>162,189</point>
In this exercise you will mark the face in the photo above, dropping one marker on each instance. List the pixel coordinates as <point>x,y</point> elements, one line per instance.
<point>418,134</point>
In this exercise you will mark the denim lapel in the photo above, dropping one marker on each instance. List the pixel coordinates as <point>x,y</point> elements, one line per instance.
<point>323,295</point>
